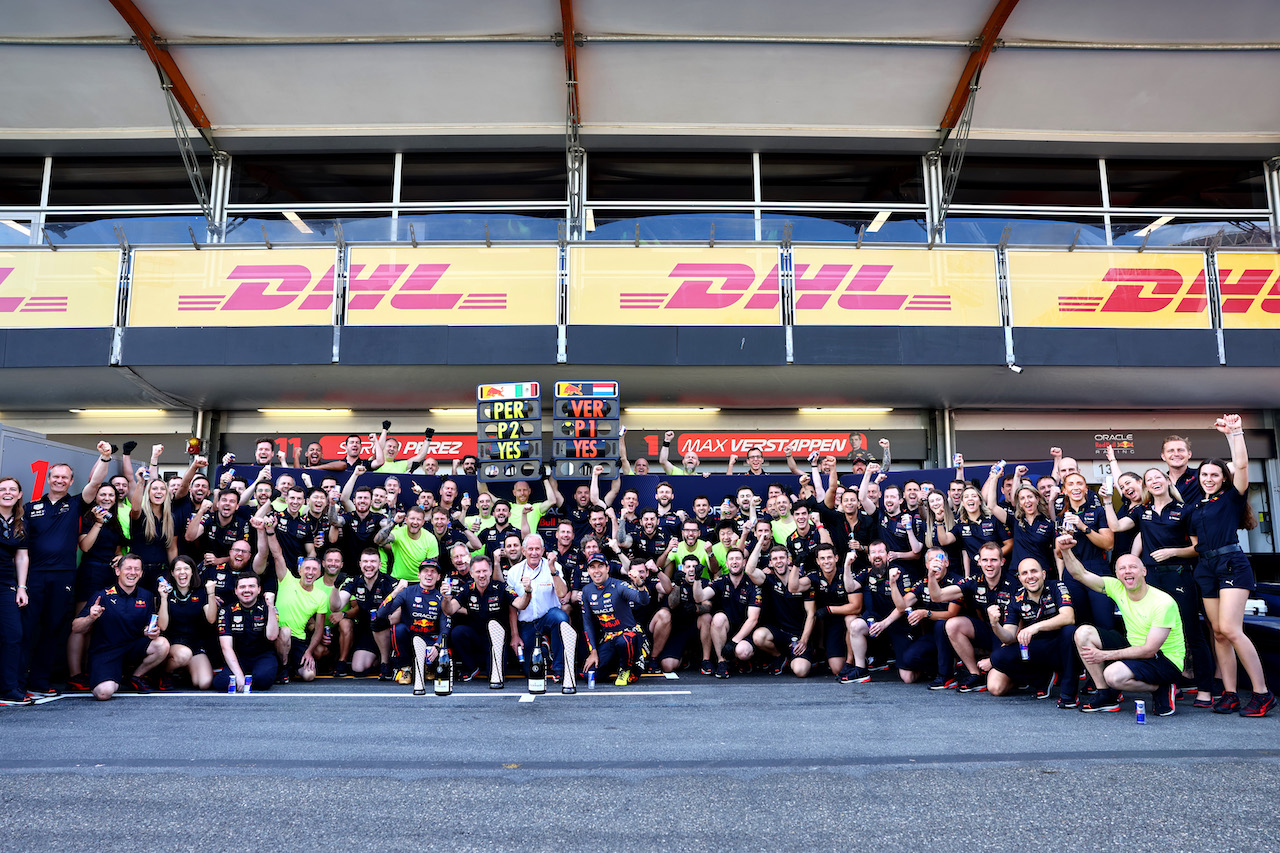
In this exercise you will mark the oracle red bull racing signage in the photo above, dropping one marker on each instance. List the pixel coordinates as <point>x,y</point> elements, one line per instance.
<point>1151,290</point>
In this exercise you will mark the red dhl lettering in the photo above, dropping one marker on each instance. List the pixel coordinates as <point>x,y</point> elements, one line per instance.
<point>1148,291</point>
<point>30,304</point>
<point>717,286</point>
<point>274,287</point>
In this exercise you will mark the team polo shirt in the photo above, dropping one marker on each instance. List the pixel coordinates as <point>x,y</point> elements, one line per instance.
<point>974,534</point>
<point>784,608</point>
<point>247,628</point>
<point>1188,486</point>
<point>877,599</point>
<point>735,601</point>
<point>10,544</point>
<point>124,618</point>
<point>483,605</point>
<point>368,598</point>
<point>978,596</point>
<point>1025,610</point>
<point>1216,518</point>
<point>53,533</point>
<point>1166,528</point>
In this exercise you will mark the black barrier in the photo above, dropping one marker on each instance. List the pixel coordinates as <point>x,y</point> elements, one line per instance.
<point>684,487</point>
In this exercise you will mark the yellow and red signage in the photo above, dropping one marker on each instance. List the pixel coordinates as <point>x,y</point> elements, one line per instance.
<point>452,286</point>
<point>895,287</point>
<point>674,286</point>
<point>1149,290</point>
<point>1250,287</point>
<point>233,287</point>
<point>62,290</point>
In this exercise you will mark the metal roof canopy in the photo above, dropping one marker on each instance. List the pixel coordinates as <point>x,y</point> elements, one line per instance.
<point>1148,76</point>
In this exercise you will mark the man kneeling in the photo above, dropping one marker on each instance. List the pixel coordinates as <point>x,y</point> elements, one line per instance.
<point>1148,658</point>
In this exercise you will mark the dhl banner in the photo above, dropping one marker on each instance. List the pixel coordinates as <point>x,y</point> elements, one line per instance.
<point>668,286</point>
<point>1151,290</point>
<point>452,286</point>
<point>1250,287</point>
<point>232,287</point>
<point>895,287</point>
<point>64,290</point>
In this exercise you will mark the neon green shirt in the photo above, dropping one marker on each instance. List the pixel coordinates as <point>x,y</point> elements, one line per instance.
<point>1156,609</point>
<point>409,553</point>
<point>295,606</point>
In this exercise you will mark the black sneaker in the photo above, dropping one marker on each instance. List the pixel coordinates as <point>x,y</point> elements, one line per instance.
<point>78,684</point>
<point>856,675</point>
<point>707,667</point>
<point>1227,703</point>
<point>1162,700</point>
<point>14,700</point>
<point>1102,701</point>
<point>722,669</point>
<point>878,665</point>
<point>282,677</point>
<point>167,683</point>
<point>1066,703</point>
<point>1049,689</point>
<point>41,693</point>
<point>138,684</point>
<point>778,666</point>
<point>941,683</point>
<point>341,669</point>
<point>470,676</point>
<point>974,682</point>
<point>384,672</point>
<point>1260,704</point>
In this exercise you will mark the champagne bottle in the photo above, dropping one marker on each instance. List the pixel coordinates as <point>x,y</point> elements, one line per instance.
<point>537,671</point>
<point>443,674</point>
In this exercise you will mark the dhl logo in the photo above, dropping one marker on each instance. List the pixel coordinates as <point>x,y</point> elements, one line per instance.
<point>274,287</point>
<point>1146,291</point>
<point>29,304</point>
<point>712,286</point>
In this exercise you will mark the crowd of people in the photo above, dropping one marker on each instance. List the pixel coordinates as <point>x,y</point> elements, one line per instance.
<point>134,583</point>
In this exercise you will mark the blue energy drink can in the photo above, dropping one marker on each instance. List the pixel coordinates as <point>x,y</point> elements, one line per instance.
<point>1141,707</point>
<point>591,680</point>
<point>1025,654</point>
<point>248,684</point>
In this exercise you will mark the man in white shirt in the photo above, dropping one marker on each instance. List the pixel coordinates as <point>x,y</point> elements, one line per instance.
<point>544,616</point>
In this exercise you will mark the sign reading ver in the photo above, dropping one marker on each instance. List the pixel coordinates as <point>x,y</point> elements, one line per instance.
<point>234,287</point>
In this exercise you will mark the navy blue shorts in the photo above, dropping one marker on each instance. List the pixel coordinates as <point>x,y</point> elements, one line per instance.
<point>782,642</point>
<point>983,636</point>
<point>1157,670</point>
<point>1225,571</point>
<point>116,663</point>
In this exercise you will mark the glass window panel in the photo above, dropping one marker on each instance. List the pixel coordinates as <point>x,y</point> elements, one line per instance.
<point>312,178</point>
<point>308,228</point>
<point>1026,230</point>
<point>850,178</point>
<point>669,177</point>
<point>671,227</point>
<point>1028,180</point>
<point>21,179</point>
<point>1238,184</point>
<point>843,227</point>
<point>85,230</point>
<point>538,176</point>
<point>472,225</point>
<point>123,180</point>
<point>1193,232</point>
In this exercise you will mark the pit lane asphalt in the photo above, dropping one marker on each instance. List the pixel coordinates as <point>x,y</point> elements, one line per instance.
<point>752,763</point>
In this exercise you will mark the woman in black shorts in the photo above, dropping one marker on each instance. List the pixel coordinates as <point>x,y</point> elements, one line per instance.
<point>187,613</point>
<point>1224,575</point>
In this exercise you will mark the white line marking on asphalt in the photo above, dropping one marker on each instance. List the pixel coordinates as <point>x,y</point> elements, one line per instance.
<point>528,697</point>
<point>488,694</point>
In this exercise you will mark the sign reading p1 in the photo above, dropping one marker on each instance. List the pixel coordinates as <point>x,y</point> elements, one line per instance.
<point>586,428</point>
<point>508,431</point>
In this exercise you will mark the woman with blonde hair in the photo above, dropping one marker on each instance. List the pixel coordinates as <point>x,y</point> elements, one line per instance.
<point>1033,530</point>
<point>974,527</point>
<point>153,539</point>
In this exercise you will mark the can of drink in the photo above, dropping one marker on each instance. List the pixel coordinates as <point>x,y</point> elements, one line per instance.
<point>231,685</point>
<point>1023,648</point>
<point>1141,707</point>
<point>956,460</point>
<point>154,623</point>
<point>591,680</point>
<point>1107,483</point>
<point>520,654</point>
<point>871,620</point>
<point>248,684</point>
